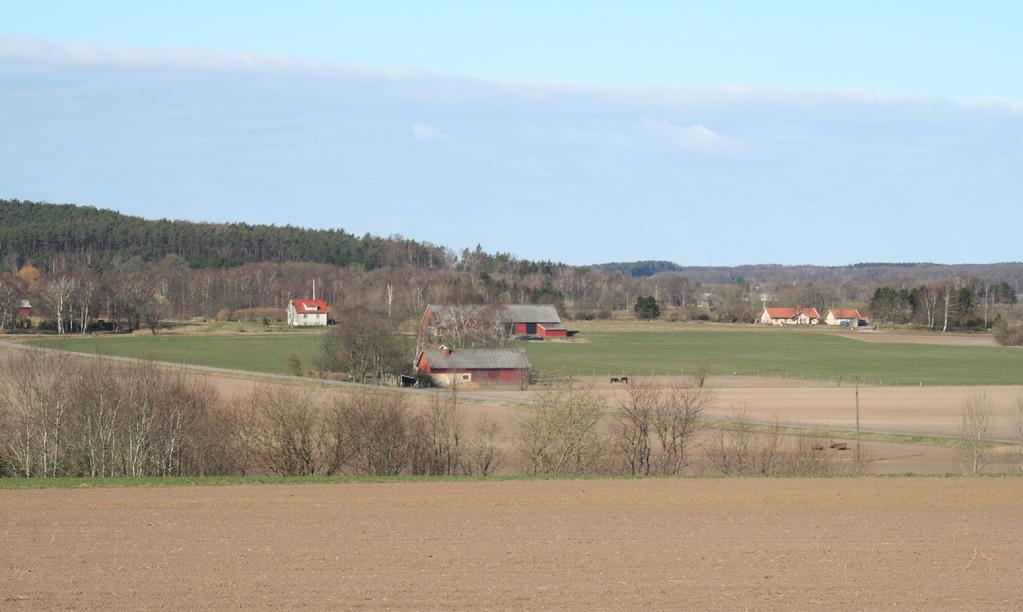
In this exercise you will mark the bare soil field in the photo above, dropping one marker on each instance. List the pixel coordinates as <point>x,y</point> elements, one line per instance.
<point>911,410</point>
<point>862,543</point>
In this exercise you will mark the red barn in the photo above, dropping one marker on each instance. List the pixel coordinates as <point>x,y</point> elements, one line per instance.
<point>534,320</point>
<point>458,367</point>
<point>25,309</point>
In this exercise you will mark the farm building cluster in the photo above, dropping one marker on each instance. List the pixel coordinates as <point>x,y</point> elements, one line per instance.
<point>538,320</point>
<point>447,366</point>
<point>809,316</point>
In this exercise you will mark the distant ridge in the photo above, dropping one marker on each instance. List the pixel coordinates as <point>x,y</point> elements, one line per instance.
<point>640,268</point>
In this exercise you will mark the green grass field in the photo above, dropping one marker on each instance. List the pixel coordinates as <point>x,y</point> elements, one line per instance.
<point>614,351</point>
<point>267,353</point>
<point>779,353</point>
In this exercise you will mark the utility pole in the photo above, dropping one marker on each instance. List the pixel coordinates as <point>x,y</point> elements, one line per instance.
<point>857,419</point>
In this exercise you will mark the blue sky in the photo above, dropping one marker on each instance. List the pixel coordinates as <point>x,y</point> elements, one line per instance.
<point>582,132</point>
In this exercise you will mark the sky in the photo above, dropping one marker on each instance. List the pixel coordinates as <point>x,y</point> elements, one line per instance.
<point>715,133</point>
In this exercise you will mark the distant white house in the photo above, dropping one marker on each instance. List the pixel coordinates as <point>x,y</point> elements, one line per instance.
<point>845,317</point>
<point>307,313</point>
<point>790,316</point>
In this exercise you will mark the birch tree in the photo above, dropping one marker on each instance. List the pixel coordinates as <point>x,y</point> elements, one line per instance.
<point>57,293</point>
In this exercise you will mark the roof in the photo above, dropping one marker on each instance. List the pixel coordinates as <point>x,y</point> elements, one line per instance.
<point>24,304</point>
<point>531,313</point>
<point>552,326</point>
<point>446,314</point>
<point>790,313</point>
<point>478,359</point>
<point>844,313</point>
<point>304,306</point>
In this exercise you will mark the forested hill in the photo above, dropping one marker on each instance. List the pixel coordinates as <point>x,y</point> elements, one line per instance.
<point>61,235</point>
<point>640,268</point>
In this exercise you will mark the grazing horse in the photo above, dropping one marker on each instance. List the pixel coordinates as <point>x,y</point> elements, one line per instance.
<point>615,380</point>
<point>624,380</point>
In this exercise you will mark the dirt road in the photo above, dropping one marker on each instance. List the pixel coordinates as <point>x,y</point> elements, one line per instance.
<point>864,543</point>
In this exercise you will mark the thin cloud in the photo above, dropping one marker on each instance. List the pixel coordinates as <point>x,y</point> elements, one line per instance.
<point>695,137</point>
<point>426,133</point>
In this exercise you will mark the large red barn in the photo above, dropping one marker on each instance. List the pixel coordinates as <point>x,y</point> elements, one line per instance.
<point>458,367</point>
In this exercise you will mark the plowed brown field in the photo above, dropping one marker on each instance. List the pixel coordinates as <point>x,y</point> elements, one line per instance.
<point>864,543</point>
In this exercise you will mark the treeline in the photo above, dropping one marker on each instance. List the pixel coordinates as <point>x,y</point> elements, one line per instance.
<point>66,417</point>
<point>141,295</point>
<point>957,303</point>
<point>84,269</point>
<point>63,417</point>
<point>640,268</point>
<point>65,237</point>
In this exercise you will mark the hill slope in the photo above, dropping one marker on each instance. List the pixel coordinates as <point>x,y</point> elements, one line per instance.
<point>76,235</point>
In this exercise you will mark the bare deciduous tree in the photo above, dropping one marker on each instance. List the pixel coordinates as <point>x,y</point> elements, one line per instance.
<point>482,456</point>
<point>677,413</point>
<point>975,433</point>
<point>743,447</point>
<point>287,434</point>
<point>441,428</point>
<point>1016,422</point>
<point>379,430</point>
<point>8,304</point>
<point>57,293</point>
<point>561,434</point>
<point>67,417</point>
<point>364,346</point>
<point>655,426</point>
<point>634,427</point>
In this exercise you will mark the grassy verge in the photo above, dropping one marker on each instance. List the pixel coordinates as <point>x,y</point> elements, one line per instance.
<point>11,483</point>
<point>843,434</point>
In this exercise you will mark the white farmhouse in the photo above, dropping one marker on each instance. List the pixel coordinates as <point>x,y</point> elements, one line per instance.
<point>790,316</point>
<point>845,317</point>
<point>307,313</point>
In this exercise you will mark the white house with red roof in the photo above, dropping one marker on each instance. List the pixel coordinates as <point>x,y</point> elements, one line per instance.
<point>790,316</point>
<point>307,313</point>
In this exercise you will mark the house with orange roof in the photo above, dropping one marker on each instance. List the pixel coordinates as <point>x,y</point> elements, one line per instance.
<point>789,316</point>
<point>307,312</point>
<point>846,317</point>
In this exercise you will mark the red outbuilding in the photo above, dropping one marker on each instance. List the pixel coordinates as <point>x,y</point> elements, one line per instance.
<point>25,309</point>
<point>457,367</point>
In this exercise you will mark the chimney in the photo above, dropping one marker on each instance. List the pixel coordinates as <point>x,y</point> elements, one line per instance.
<point>445,350</point>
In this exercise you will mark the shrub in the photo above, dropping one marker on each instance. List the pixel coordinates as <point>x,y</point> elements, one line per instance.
<point>1008,333</point>
<point>257,315</point>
